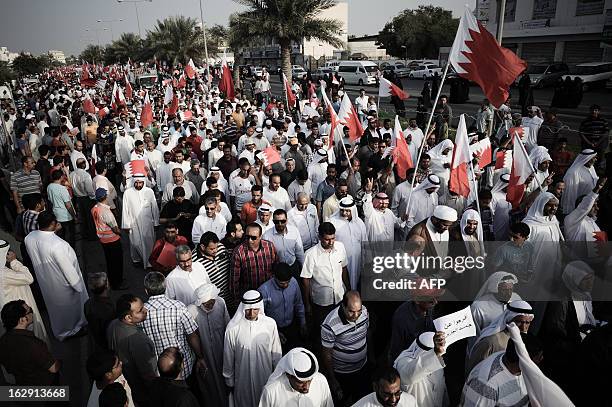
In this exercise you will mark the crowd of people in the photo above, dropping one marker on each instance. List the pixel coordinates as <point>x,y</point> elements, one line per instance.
<point>247,221</point>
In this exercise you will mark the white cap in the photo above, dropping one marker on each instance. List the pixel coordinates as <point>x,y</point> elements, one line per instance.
<point>446,213</point>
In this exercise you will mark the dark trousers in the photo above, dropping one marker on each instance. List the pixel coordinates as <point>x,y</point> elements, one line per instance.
<point>67,232</point>
<point>113,253</point>
<point>84,205</point>
<point>291,336</point>
<point>319,312</point>
<point>354,386</point>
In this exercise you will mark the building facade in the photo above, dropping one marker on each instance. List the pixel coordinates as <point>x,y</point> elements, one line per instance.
<point>570,31</point>
<point>57,55</point>
<point>366,47</point>
<point>316,52</point>
<point>6,55</point>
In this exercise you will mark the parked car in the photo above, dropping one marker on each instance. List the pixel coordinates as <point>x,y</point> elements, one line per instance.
<point>593,74</point>
<point>425,71</point>
<point>320,73</point>
<point>358,72</point>
<point>297,72</point>
<point>399,68</point>
<point>543,75</point>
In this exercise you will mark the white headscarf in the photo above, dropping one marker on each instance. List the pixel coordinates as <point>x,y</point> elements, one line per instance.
<point>251,299</point>
<point>435,153</point>
<point>538,155</point>
<point>423,343</point>
<point>584,157</point>
<point>492,284</point>
<point>572,276</point>
<point>432,181</point>
<point>514,309</point>
<point>346,203</point>
<point>206,292</point>
<point>501,183</point>
<point>298,362</point>
<point>535,215</point>
<point>542,391</point>
<point>471,214</point>
<point>4,249</point>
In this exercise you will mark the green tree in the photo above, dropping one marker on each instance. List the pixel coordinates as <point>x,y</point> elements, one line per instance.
<point>287,21</point>
<point>6,73</point>
<point>216,39</point>
<point>129,45</point>
<point>422,31</point>
<point>92,54</point>
<point>176,39</point>
<point>26,64</point>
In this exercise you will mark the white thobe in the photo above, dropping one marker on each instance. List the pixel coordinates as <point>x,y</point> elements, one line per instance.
<point>155,158</point>
<point>317,173</point>
<point>406,400</point>
<point>61,281</point>
<point>400,198</point>
<point>279,199</point>
<point>579,182</point>
<point>191,192</point>
<point>15,283</point>
<point>140,216</point>
<point>265,228</point>
<point>307,223</point>
<point>75,155</point>
<point>421,207</point>
<point>211,326</point>
<point>250,353</point>
<point>485,310</point>
<point>380,226</point>
<point>181,284</point>
<point>580,227</point>
<point>123,148</point>
<point>422,376</point>
<point>203,223</point>
<point>351,234</point>
<point>280,393</point>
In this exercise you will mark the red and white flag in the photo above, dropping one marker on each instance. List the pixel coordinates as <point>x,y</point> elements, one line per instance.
<point>459,181</point>
<point>101,84</point>
<point>401,154</point>
<point>478,57</point>
<point>503,159</point>
<point>173,108</point>
<point>103,112</point>
<point>87,81</point>
<point>482,149</point>
<point>347,115</point>
<point>388,88</point>
<point>270,156</point>
<point>129,92</point>
<point>135,167</point>
<point>146,116</point>
<point>182,82</point>
<point>190,69</point>
<point>226,84</point>
<point>118,98</point>
<point>332,114</point>
<point>290,96</point>
<point>88,105</point>
<point>521,170</point>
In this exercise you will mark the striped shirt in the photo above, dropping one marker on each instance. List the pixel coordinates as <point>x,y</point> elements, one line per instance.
<point>251,269</point>
<point>168,324</point>
<point>491,384</point>
<point>23,183</point>
<point>30,221</point>
<point>218,270</point>
<point>348,340</point>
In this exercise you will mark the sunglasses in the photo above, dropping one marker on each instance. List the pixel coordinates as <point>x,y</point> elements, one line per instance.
<point>253,238</point>
<point>279,221</point>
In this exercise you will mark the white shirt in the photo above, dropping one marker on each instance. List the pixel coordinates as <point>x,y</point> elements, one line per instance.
<point>240,189</point>
<point>181,284</point>
<point>279,199</point>
<point>307,223</point>
<point>203,223</point>
<point>324,268</point>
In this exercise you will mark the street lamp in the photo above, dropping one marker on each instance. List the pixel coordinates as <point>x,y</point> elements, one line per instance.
<point>204,32</point>
<point>406,55</point>
<point>111,26</point>
<point>136,7</point>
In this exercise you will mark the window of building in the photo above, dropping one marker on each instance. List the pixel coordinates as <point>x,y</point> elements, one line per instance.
<point>509,13</point>
<point>544,9</point>
<point>589,7</point>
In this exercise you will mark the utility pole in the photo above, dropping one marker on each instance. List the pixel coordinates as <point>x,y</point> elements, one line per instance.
<point>500,22</point>
<point>204,31</point>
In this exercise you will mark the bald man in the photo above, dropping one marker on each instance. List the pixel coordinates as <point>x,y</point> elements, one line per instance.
<point>168,389</point>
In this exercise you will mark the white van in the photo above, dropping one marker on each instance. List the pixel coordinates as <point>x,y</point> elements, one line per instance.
<point>333,65</point>
<point>358,72</point>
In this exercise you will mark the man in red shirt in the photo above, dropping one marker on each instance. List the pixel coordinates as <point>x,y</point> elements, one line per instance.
<point>160,261</point>
<point>248,214</point>
<point>195,140</point>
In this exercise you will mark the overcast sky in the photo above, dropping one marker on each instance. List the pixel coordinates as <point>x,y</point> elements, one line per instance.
<point>40,25</point>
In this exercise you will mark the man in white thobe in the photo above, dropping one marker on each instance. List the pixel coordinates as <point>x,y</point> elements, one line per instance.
<point>351,231</point>
<point>424,201</point>
<point>210,313</point>
<point>296,381</point>
<point>186,277</point>
<point>399,201</point>
<point>580,224</point>
<point>163,173</point>
<point>580,179</point>
<point>140,216</point>
<point>59,277</point>
<point>304,217</point>
<point>251,350</point>
<point>124,144</point>
<point>317,169</point>
<point>380,221</point>
<point>421,369</point>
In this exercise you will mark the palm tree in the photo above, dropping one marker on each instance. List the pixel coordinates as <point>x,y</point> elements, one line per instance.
<point>92,54</point>
<point>287,21</point>
<point>129,45</point>
<point>176,39</point>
